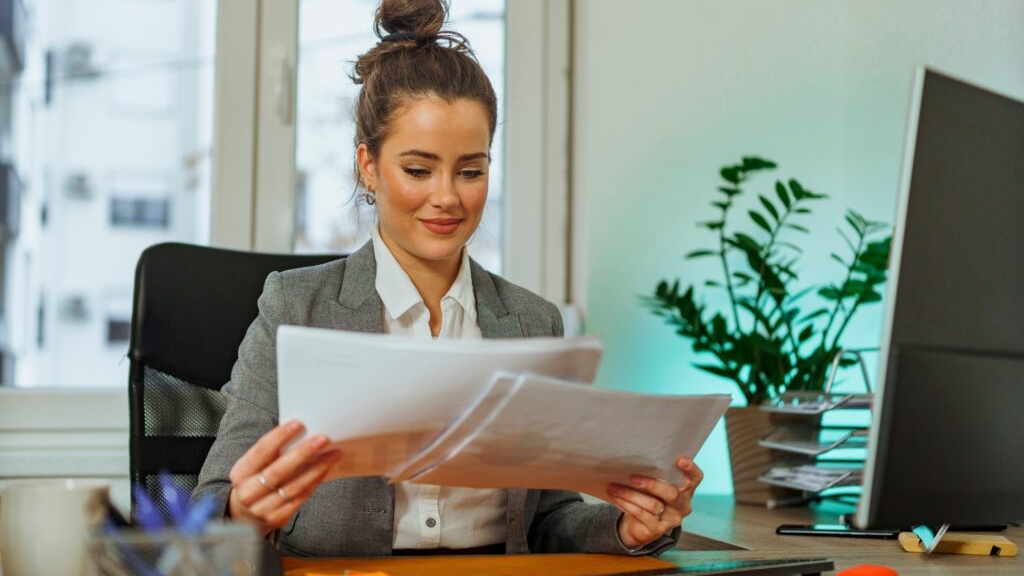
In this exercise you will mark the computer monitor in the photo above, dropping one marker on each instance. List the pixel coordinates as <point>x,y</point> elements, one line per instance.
<point>947,432</point>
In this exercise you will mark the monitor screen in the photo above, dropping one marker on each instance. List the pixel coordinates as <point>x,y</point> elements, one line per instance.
<point>947,430</point>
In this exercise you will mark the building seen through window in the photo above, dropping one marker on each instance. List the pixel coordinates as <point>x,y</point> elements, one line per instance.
<point>104,104</point>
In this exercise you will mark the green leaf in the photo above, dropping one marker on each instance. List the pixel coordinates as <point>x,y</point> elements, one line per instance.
<point>717,370</point>
<point>721,205</point>
<point>769,207</point>
<point>719,328</point>
<point>746,243</point>
<point>830,293</point>
<point>730,192</point>
<point>806,334</point>
<point>731,174</point>
<point>797,227</point>
<point>838,259</point>
<point>713,283</point>
<point>780,191</point>
<point>760,221</point>
<point>869,297</point>
<point>713,225</point>
<point>798,190</point>
<point>854,287</point>
<point>859,225</point>
<point>700,254</point>
<point>751,163</point>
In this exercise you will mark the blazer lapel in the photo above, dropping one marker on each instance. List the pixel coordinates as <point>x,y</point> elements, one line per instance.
<point>360,308</point>
<point>496,321</point>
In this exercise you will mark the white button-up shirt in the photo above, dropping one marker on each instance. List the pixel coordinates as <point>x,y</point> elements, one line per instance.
<point>428,516</point>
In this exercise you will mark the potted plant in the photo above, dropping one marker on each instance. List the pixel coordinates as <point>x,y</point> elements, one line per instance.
<point>771,337</point>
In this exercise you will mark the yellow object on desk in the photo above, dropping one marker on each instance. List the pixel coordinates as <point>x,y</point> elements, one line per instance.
<point>963,543</point>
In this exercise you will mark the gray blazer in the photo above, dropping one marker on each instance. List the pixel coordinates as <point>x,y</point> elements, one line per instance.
<point>354,516</point>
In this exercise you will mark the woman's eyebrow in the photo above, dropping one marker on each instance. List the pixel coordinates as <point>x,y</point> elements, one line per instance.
<point>432,156</point>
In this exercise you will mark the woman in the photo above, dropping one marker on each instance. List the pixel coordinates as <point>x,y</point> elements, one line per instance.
<point>425,119</point>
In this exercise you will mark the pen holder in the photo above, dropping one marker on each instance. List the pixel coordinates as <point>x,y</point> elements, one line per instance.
<point>221,549</point>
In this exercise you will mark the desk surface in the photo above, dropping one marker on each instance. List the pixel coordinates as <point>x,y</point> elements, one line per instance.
<point>717,531</point>
<point>753,528</point>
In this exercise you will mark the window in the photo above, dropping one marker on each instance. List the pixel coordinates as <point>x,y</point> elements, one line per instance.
<point>110,133</point>
<point>141,212</point>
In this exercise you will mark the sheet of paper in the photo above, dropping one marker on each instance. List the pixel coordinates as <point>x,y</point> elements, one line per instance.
<point>381,398</point>
<point>552,434</point>
<point>487,405</point>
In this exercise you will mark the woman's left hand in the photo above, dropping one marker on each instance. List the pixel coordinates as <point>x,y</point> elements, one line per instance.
<point>652,507</point>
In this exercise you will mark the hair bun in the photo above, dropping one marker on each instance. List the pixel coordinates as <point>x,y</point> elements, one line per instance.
<point>422,19</point>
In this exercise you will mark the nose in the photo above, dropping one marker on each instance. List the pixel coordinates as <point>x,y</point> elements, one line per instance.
<point>445,195</point>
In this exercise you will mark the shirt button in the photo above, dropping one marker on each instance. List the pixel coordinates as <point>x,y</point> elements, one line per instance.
<point>431,522</point>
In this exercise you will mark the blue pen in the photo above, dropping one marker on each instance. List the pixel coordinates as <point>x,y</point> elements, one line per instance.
<point>146,512</point>
<point>175,498</point>
<point>198,515</point>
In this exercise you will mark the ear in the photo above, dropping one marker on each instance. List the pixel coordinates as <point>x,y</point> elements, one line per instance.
<point>367,166</point>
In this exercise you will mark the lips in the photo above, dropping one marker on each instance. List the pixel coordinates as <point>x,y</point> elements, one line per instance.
<point>441,225</point>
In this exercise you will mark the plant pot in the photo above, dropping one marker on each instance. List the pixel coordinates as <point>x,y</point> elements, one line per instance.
<point>743,428</point>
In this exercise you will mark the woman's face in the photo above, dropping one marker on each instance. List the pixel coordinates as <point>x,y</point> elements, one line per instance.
<point>430,180</point>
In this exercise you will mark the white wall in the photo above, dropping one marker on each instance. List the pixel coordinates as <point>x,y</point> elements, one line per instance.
<point>668,91</point>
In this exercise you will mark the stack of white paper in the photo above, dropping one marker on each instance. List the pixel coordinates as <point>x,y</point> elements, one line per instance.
<point>485,413</point>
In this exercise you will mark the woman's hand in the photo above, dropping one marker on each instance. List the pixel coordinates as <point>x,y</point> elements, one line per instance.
<point>267,487</point>
<point>651,507</point>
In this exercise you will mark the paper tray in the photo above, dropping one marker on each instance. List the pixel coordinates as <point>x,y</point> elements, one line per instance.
<point>814,441</point>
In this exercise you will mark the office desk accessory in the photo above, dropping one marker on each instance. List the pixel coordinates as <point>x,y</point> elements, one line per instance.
<point>44,523</point>
<point>220,548</point>
<point>960,543</point>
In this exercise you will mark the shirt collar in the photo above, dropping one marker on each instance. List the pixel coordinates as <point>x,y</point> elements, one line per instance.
<point>399,294</point>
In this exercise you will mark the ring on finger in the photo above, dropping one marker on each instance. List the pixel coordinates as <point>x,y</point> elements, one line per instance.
<point>660,512</point>
<point>282,494</point>
<point>263,482</point>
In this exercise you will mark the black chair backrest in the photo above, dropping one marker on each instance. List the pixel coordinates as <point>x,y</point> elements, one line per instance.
<point>192,307</point>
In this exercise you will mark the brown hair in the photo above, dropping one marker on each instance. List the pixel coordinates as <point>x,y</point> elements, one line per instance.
<point>414,59</point>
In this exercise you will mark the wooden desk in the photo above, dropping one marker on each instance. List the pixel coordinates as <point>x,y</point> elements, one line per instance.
<point>717,531</point>
<point>752,528</point>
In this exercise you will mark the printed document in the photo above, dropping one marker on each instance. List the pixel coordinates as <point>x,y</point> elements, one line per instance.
<point>381,398</point>
<point>539,432</point>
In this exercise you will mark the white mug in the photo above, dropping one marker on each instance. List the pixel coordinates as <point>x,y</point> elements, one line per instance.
<point>44,525</point>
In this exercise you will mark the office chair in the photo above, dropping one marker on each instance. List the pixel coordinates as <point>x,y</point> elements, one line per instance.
<point>192,306</point>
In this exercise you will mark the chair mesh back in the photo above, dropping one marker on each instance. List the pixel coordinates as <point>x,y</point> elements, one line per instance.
<point>174,407</point>
<point>180,422</point>
<point>184,482</point>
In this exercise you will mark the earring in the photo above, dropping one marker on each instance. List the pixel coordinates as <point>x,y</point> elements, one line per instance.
<point>370,197</point>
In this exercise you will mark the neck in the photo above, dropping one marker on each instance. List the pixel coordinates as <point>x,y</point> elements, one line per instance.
<point>432,278</point>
